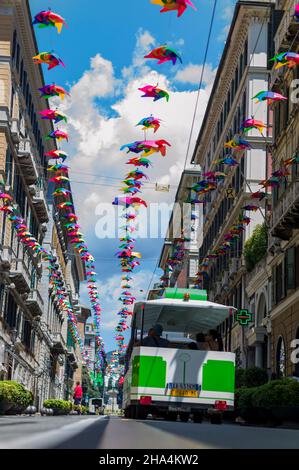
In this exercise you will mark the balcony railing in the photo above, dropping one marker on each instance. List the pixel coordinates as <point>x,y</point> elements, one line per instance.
<point>27,161</point>
<point>20,275</point>
<point>72,357</point>
<point>287,28</point>
<point>255,335</point>
<point>285,216</point>
<point>225,278</point>
<point>35,303</point>
<point>233,267</point>
<point>40,205</point>
<point>59,344</point>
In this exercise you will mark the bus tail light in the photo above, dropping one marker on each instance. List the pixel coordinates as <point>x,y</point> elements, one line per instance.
<point>221,405</point>
<point>145,400</point>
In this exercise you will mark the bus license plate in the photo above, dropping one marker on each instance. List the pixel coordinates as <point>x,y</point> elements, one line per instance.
<point>176,392</point>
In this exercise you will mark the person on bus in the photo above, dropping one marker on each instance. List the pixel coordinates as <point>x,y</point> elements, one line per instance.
<point>153,338</point>
<point>201,342</point>
<point>214,341</point>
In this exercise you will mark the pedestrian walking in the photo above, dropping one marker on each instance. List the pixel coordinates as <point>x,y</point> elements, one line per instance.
<point>78,393</point>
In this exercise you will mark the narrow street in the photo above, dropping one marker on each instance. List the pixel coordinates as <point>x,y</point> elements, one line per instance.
<point>91,432</point>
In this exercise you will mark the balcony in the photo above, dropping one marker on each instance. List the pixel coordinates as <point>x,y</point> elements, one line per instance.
<point>40,205</point>
<point>27,161</point>
<point>217,288</point>
<point>58,342</point>
<point>285,216</point>
<point>287,28</point>
<point>74,296</point>
<point>20,275</point>
<point>5,258</point>
<point>35,303</point>
<point>255,335</point>
<point>233,267</point>
<point>225,279</point>
<point>72,357</point>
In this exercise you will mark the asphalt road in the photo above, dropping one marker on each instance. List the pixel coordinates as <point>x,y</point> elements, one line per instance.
<point>93,432</point>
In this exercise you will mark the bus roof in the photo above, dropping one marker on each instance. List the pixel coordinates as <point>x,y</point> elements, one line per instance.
<point>178,315</point>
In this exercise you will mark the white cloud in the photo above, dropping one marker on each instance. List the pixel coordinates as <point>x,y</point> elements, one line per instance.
<point>228,12</point>
<point>227,15</point>
<point>144,43</point>
<point>192,74</point>
<point>110,292</point>
<point>95,139</point>
<point>97,165</point>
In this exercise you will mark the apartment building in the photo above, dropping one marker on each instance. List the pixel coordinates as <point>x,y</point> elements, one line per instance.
<point>59,349</point>
<point>284,224</point>
<point>23,175</point>
<point>243,72</point>
<point>179,259</point>
<point>36,347</point>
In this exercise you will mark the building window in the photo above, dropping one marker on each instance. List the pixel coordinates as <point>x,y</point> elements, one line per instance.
<point>10,314</point>
<point>279,283</point>
<point>19,193</point>
<point>18,58</point>
<point>296,369</point>
<point>280,358</point>
<point>291,268</point>
<point>14,44</point>
<point>21,73</point>
<point>8,166</point>
<point>24,83</point>
<point>26,336</point>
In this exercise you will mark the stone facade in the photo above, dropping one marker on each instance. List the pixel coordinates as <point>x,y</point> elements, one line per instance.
<point>284,225</point>
<point>35,348</point>
<point>242,73</point>
<point>184,274</point>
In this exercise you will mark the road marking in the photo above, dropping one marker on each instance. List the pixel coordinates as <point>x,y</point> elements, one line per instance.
<point>51,438</point>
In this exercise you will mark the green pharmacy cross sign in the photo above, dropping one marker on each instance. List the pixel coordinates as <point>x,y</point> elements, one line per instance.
<point>243,317</point>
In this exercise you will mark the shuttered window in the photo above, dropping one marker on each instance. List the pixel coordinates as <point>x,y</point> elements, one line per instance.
<point>26,336</point>
<point>10,313</point>
<point>274,285</point>
<point>297,266</point>
<point>279,283</point>
<point>291,268</point>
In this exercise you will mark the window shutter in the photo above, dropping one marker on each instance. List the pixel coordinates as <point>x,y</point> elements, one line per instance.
<point>297,266</point>
<point>290,268</point>
<point>274,285</point>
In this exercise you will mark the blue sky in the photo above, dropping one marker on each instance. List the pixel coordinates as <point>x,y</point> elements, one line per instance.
<point>103,48</point>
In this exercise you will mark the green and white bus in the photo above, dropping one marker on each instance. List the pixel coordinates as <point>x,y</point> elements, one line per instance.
<point>167,381</point>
